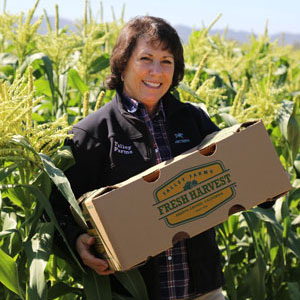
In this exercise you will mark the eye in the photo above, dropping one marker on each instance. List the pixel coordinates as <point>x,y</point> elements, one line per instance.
<point>167,61</point>
<point>145,58</point>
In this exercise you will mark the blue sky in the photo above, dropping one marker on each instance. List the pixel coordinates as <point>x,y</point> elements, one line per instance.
<point>251,15</point>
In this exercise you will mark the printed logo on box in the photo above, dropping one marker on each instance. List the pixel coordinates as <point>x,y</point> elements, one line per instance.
<point>194,193</point>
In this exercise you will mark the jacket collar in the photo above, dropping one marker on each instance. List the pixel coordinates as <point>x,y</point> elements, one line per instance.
<point>170,105</point>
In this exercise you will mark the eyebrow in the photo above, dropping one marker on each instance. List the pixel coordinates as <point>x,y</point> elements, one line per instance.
<point>165,56</point>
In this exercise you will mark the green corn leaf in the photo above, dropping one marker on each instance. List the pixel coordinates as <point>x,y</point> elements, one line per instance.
<point>76,82</point>
<point>292,240</point>
<point>8,232</point>
<point>34,219</point>
<point>23,142</point>
<point>233,222</point>
<point>293,243</point>
<point>230,287</point>
<point>48,208</point>
<point>134,283</point>
<point>283,117</point>
<point>62,183</point>
<point>297,164</point>
<point>8,71</point>
<point>293,134</point>
<point>257,279</point>
<point>60,289</point>
<point>266,215</point>
<point>63,84</point>
<point>9,221</point>
<point>286,227</point>
<point>19,197</point>
<point>42,87</point>
<point>8,59</point>
<point>187,89</point>
<point>29,61</point>
<point>228,119</point>
<point>63,158</point>
<point>9,274</point>
<point>294,291</point>
<point>49,71</point>
<point>273,253</point>
<point>116,296</point>
<point>296,221</point>
<point>38,250</point>
<point>289,126</point>
<point>294,195</point>
<point>96,287</point>
<point>99,64</point>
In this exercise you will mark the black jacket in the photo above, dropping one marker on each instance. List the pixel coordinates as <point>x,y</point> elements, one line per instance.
<point>111,145</point>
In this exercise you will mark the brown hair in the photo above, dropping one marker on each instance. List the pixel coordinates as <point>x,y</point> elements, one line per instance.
<point>158,30</point>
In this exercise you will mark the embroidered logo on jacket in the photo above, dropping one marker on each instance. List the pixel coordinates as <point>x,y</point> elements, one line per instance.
<point>179,138</point>
<point>123,149</point>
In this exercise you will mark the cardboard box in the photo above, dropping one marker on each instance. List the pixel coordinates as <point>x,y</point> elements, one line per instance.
<point>234,169</point>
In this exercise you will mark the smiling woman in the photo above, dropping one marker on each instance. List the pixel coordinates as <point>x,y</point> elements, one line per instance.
<point>149,73</point>
<point>140,127</point>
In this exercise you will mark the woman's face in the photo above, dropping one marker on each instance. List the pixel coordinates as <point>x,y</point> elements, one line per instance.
<point>149,73</point>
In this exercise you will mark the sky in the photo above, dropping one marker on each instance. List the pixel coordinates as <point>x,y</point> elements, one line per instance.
<point>248,15</point>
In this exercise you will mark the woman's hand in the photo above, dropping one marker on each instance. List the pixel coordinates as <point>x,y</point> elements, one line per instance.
<point>83,245</point>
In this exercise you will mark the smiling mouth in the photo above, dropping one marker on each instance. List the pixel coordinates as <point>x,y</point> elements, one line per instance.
<point>152,84</point>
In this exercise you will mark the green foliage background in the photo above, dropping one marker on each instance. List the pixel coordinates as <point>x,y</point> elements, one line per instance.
<point>50,81</point>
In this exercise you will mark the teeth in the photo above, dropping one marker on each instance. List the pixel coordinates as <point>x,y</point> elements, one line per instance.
<point>152,84</point>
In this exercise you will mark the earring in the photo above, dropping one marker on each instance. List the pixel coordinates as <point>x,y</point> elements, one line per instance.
<point>122,78</point>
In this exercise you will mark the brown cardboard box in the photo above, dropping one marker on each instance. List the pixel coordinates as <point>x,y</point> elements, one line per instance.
<point>235,168</point>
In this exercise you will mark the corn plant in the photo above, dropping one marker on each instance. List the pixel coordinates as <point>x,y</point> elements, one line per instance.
<point>30,155</point>
<point>51,80</point>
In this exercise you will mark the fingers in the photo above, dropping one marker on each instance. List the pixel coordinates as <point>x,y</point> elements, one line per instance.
<point>83,244</point>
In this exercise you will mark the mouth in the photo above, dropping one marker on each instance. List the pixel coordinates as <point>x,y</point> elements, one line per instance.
<point>152,84</point>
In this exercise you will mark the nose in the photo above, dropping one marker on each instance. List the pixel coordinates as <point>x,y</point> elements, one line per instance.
<point>156,68</point>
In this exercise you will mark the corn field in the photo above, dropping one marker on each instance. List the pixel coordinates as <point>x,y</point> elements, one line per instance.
<point>50,81</point>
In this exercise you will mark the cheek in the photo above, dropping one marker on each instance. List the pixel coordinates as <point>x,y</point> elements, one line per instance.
<point>170,77</point>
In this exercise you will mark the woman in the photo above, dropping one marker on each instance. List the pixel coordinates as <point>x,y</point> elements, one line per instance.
<point>146,64</point>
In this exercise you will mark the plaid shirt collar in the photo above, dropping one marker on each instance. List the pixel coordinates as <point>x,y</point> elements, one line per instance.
<point>134,107</point>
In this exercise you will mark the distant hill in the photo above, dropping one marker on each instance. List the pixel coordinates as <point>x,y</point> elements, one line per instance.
<point>240,36</point>
<point>62,23</point>
<point>184,32</point>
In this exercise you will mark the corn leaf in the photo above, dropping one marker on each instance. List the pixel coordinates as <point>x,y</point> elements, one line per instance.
<point>62,183</point>
<point>60,289</point>
<point>49,71</point>
<point>283,117</point>
<point>63,158</point>
<point>293,134</point>
<point>5,172</point>
<point>134,283</point>
<point>294,291</point>
<point>292,240</point>
<point>5,233</point>
<point>257,279</point>
<point>116,296</point>
<point>96,287</point>
<point>228,119</point>
<point>76,82</point>
<point>187,89</point>
<point>29,60</point>
<point>99,64</point>
<point>9,274</point>
<point>48,208</point>
<point>38,250</point>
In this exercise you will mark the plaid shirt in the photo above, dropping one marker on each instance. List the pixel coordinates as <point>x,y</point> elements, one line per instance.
<point>173,265</point>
